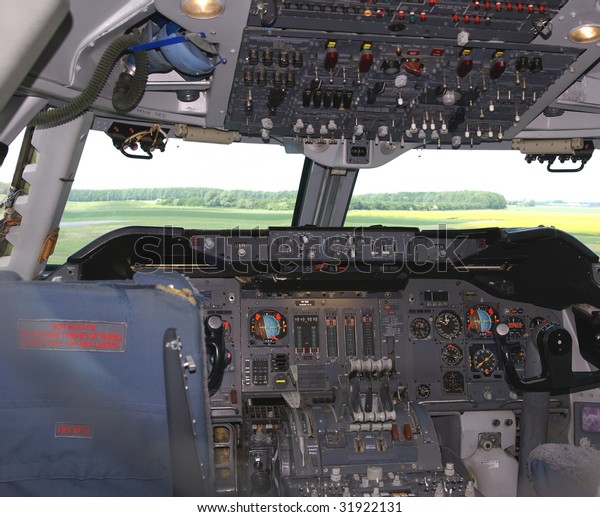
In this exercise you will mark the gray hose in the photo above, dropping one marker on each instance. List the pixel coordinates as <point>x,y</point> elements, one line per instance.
<point>80,104</point>
<point>129,90</point>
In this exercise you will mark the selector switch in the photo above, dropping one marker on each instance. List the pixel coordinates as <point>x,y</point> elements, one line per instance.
<point>413,66</point>
<point>327,98</point>
<point>284,59</point>
<point>390,67</point>
<point>306,97</point>
<point>338,96</point>
<point>253,57</point>
<point>317,98</point>
<point>267,58</point>
<point>536,65</point>
<point>297,59</point>
<point>375,473</point>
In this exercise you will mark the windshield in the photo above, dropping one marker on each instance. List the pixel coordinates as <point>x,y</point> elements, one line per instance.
<point>211,186</point>
<point>429,188</point>
<point>190,185</point>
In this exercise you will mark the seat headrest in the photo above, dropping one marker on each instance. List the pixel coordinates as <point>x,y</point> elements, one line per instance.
<point>558,469</point>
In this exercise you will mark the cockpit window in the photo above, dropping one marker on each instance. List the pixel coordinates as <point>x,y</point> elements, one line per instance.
<point>429,188</point>
<point>191,185</point>
<point>211,186</point>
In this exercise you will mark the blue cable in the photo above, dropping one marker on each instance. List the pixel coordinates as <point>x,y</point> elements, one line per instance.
<point>173,40</point>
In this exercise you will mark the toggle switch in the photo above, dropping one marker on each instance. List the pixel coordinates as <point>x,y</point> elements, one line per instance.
<point>331,59</point>
<point>536,65</point>
<point>365,62</point>
<point>498,68</point>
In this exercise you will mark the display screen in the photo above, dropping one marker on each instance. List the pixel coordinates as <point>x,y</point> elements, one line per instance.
<point>268,327</point>
<point>306,330</point>
<point>590,419</point>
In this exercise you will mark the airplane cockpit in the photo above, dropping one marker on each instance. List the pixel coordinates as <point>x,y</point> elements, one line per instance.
<point>318,357</point>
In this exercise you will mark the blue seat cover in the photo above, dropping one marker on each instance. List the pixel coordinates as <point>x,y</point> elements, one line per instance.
<point>82,394</point>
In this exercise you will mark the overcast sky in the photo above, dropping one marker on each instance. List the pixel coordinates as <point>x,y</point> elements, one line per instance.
<point>267,167</point>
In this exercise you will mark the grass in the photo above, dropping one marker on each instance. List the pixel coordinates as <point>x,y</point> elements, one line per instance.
<point>83,222</point>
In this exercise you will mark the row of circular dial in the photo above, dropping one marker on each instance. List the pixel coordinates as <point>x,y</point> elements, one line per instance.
<point>270,325</point>
<point>480,320</point>
<point>483,359</point>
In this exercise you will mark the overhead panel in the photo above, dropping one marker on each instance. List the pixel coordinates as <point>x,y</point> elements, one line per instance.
<point>430,72</point>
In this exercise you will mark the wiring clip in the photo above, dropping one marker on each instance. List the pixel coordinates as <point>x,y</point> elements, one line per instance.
<point>130,139</point>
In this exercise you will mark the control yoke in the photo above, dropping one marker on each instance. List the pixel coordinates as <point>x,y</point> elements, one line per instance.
<point>217,353</point>
<point>554,346</point>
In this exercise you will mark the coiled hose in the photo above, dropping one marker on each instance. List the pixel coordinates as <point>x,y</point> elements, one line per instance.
<point>128,93</point>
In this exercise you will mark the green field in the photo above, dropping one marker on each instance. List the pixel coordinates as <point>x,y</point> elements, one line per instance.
<point>582,222</point>
<point>84,221</point>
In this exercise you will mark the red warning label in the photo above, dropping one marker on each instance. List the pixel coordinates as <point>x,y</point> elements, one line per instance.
<point>91,336</point>
<point>71,430</point>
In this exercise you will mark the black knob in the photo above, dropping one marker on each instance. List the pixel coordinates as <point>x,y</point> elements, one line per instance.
<point>522,64</point>
<point>536,65</point>
<point>284,59</point>
<point>253,56</point>
<point>267,57</point>
<point>214,322</point>
<point>554,339</point>
<point>260,481</point>
<point>390,67</point>
<point>297,59</point>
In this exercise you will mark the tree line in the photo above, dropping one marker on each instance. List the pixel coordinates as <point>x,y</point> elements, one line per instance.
<point>285,200</point>
<point>456,200</point>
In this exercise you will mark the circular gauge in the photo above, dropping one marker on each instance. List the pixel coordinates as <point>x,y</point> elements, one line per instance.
<point>516,326</point>
<point>452,354</point>
<point>448,325</point>
<point>268,326</point>
<point>453,382</point>
<point>485,361</point>
<point>423,391</point>
<point>536,321</point>
<point>420,328</point>
<point>517,355</point>
<point>481,320</point>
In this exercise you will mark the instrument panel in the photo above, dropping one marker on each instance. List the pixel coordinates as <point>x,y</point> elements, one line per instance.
<point>330,378</point>
<point>330,382</point>
<point>435,334</point>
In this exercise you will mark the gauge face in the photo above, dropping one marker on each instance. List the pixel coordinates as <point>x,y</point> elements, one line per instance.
<point>452,354</point>
<point>481,320</point>
<point>268,326</point>
<point>516,326</point>
<point>484,361</point>
<point>420,328</point>
<point>448,325</point>
<point>536,321</point>
<point>517,355</point>
<point>423,391</point>
<point>453,382</point>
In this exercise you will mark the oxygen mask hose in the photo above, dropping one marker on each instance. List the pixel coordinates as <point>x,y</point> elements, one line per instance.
<point>128,92</point>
